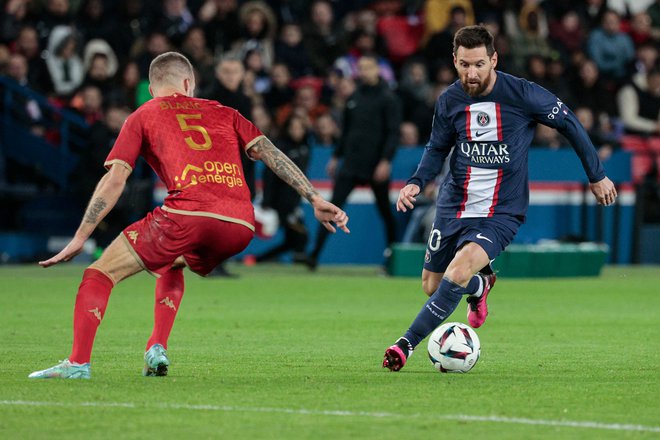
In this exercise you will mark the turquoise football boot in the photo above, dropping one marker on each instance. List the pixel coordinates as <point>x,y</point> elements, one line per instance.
<point>155,361</point>
<point>64,370</point>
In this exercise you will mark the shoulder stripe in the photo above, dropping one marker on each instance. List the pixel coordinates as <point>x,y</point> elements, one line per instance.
<point>109,163</point>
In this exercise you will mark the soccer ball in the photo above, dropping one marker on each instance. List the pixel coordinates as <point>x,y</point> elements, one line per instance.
<point>454,348</point>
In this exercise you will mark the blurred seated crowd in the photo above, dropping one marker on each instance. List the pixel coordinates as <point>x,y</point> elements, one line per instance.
<point>272,60</point>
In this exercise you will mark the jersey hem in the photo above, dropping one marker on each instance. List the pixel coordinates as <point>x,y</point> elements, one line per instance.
<point>211,215</point>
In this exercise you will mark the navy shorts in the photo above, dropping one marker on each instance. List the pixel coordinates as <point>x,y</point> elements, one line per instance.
<point>448,235</point>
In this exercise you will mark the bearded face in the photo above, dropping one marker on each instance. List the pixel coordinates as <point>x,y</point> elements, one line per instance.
<point>475,69</point>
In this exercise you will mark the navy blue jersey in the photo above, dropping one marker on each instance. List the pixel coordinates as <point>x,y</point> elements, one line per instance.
<point>491,136</point>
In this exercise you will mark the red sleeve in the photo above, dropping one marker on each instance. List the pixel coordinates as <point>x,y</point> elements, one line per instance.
<point>246,131</point>
<point>128,144</point>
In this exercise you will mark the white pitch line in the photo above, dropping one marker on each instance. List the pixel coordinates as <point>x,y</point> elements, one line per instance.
<point>340,413</point>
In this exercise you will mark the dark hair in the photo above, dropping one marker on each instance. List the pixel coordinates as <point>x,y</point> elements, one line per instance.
<point>471,37</point>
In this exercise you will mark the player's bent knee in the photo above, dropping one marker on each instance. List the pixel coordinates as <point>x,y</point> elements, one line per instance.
<point>430,282</point>
<point>459,274</point>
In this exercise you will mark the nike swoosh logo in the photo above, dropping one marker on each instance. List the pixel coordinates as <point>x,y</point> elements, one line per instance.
<point>479,134</point>
<point>481,237</point>
<point>433,304</point>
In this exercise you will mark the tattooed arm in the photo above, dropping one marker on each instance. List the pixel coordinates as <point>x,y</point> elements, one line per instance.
<point>324,211</point>
<point>105,197</point>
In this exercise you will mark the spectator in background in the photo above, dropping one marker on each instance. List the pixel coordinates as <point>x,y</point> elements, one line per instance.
<point>257,79</point>
<point>280,92</point>
<point>408,135</point>
<point>306,104</point>
<point>219,18</point>
<point>639,104</point>
<point>438,49</point>
<point>100,64</point>
<point>345,88</point>
<point>281,197</point>
<point>557,81</point>
<point>132,26</point>
<point>528,32</point>
<point>174,20</point>
<point>367,145</point>
<point>195,49</point>
<point>568,34</point>
<point>326,132</point>
<point>156,44</point>
<point>88,102</point>
<point>611,49</point>
<point>600,131</point>
<point>589,90</point>
<point>646,57</point>
<point>591,13</point>
<point>64,64</point>
<point>536,70</point>
<point>57,13</point>
<point>364,43</point>
<point>262,118</point>
<point>290,50</point>
<point>438,14</point>
<point>226,89</point>
<point>415,91</point>
<point>12,19</point>
<point>640,29</point>
<point>25,111</point>
<point>258,30</point>
<point>92,22</point>
<point>323,38</point>
<point>125,93</point>
<point>27,44</point>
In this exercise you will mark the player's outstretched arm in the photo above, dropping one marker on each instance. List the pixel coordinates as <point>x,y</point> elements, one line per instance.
<point>604,191</point>
<point>324,211</point>
<point>407,198</point>
<point>105,197</point>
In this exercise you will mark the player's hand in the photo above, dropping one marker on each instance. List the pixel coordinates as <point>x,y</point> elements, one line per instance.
<point>327,213</point>
<point>604,191</point>
<point>72,249</point>
<point>382,171</point>
<point>407,198</point>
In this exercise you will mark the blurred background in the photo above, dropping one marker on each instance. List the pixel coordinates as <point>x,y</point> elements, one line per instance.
<point>71,71</point>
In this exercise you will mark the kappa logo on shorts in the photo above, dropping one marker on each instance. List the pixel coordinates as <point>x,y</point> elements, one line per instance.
<point>427,257</point>
<point>133,235</point>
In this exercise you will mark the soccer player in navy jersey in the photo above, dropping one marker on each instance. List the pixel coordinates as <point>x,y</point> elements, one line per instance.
<point>488,117</point>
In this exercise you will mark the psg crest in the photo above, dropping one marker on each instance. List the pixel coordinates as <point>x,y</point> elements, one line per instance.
<point>483,119</point>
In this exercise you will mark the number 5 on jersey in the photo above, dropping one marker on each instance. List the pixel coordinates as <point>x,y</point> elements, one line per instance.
<point>185,126</point>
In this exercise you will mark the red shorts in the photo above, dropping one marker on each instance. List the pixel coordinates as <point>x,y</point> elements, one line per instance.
<point>204,242</point>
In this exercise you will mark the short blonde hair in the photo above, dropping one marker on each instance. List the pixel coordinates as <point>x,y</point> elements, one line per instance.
<point>168,68</point>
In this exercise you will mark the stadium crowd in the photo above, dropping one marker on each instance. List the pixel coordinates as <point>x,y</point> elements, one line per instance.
<point>274,59</point>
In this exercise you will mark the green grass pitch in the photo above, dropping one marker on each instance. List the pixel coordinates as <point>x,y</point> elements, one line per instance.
<point>284,354</point>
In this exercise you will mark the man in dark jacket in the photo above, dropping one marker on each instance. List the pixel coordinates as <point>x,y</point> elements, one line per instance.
<point>367,146</point>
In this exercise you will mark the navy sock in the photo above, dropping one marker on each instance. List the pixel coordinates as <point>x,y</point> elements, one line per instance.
<point>438,307</point>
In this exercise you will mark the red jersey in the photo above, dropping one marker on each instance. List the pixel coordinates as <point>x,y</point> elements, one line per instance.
<point>194,146</point>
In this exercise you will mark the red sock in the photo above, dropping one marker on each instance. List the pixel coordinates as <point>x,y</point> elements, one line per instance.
<point>169,291</point>
<point>91,301</point>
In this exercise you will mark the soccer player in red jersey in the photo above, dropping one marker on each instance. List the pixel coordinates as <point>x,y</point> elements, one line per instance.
<point>195,147</point>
